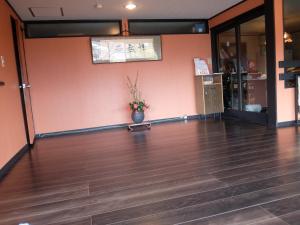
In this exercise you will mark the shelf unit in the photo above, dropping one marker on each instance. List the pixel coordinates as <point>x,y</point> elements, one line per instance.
<point>209,94</point>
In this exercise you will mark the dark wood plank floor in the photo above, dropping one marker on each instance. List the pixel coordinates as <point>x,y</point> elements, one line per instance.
<point>195,173</point>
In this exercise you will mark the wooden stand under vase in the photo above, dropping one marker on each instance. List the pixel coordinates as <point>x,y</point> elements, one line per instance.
<point>137,126</point>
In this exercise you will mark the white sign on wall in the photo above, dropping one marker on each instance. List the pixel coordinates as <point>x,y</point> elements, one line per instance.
<point>201,67</point>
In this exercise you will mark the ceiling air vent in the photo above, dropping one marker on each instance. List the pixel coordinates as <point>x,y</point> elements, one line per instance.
<point>46,11</point>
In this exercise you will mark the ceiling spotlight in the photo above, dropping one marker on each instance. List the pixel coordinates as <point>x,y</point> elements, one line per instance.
<point>288,38</point>
<point>98,6</point>
<point>130,6</point>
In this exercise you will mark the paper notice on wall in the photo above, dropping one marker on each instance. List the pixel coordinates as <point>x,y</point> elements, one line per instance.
<point>201,67</point>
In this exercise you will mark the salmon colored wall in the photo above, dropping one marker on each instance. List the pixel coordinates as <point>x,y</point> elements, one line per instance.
<point>12,132</point>
<point>285,97</point>
<point>69,92</point>
<point>234,12</point>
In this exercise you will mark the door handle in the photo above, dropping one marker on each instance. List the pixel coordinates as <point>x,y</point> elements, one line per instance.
<point>24,86</point>
<point>2,83</point>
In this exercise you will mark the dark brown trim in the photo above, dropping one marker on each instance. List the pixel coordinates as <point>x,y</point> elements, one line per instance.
<point>14,10</point>
<point>231,7</point>
<point>297,99</point>
<point>27,76</point>
<point>214,51</point>
<point>14,27</point>
<point>31,11</point>
<point>271,63</point>
<point>62,11</point>
<point>11,163</point>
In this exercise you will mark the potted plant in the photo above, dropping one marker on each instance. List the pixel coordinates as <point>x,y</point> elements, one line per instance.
<point>137,105</point>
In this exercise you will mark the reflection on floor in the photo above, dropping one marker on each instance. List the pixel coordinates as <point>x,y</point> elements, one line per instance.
<point>215,172</point>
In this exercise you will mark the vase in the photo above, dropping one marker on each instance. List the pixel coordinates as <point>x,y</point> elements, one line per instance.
<point>137,116</point>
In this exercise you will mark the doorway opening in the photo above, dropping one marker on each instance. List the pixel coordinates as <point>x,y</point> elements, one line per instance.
<point>240,52</point>
<point>23,81</point>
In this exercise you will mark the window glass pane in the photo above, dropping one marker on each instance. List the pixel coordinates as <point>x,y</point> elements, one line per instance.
<point>228,66</point>
<point>72,29</point>
<point>253,65</point>
<point>167,27</point>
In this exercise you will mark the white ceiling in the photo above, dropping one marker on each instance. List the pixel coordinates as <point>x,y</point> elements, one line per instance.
<point>114,9</point>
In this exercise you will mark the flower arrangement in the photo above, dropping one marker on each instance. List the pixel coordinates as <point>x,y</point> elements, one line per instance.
<point>137,104</point>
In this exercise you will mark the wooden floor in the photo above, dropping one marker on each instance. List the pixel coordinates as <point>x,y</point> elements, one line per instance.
<point>195,173</point>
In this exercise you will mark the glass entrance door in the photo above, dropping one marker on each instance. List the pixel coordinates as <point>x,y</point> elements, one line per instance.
<point>228,60</point>
<point>242,60</point>
<point>253,65</point>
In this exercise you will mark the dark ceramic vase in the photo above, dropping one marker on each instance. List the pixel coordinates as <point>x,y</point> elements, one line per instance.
<point>137,116</point>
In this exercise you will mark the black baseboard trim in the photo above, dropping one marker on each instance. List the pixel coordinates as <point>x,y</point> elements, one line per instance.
<point>125,126</point>
<point>34,139</point>
<point>287,124</point>
<point>10,165</point>
<point>80,131</point>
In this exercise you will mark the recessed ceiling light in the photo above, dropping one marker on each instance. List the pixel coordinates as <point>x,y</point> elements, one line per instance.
<point>130,6</point>
<point>99,6</point>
